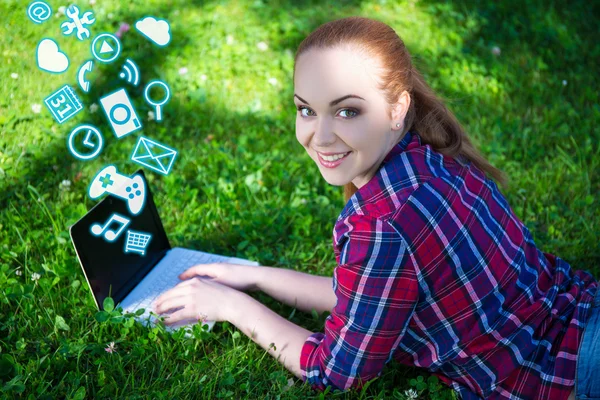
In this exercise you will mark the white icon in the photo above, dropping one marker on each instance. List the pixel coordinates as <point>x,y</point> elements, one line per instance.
<point>137,242</point>
<point>132,189</point>
<point>160,103</point>
<point>120,113</point>
<point>78,23</point>
<point>92,138</point>
<point>110,47</point>
<point>50,58</point>
<point>63,104</point>
<point>131,72</point>
<point>109,234</point>
<point>106,48</point>
<point>85,68</point>
<point>154,155</point>
<point>154,29</point>
<point>38,12</point>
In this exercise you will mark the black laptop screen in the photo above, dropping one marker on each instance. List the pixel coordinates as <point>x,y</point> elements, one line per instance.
<point>108,267</point>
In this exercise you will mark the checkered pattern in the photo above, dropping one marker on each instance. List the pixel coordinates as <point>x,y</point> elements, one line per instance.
<point>436,271</point>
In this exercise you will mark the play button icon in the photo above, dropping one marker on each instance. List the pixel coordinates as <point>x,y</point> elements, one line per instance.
<point>106,47</point>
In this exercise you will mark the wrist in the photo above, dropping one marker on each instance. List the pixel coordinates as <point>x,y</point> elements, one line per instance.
<point>258,278</point>
<point>237,303</point>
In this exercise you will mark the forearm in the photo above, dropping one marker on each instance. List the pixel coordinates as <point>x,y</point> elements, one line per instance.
<point>297,289</point>
<point>264,326</point>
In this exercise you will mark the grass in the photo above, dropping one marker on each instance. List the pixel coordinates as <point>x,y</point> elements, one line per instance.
<point>533,111</point>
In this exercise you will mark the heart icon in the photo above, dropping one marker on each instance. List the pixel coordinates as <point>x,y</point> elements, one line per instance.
<point>50,58</point>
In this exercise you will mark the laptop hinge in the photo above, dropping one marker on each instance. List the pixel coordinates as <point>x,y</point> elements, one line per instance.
<point>137,278</point>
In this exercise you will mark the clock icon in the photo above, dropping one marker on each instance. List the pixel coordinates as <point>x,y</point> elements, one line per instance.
<point>89,136</point>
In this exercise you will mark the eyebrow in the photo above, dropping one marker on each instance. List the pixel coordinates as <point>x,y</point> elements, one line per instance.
<point>334,102</point>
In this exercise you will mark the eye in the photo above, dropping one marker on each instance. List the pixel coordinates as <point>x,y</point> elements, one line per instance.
<point>356,112</point>
<point>350,110</point>
<point>301,108</point>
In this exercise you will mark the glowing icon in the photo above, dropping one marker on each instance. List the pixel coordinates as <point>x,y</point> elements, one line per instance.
<point>50,58</point>
<point>106,47</point>
<point>83,70</point>
<point>160,103</point>
<point>157,30</point>
<point>92,138</point>
<point>39,12</point>
<point>109,234</point>
<point>137,242</point>
<point>131,72</point>
<point>154,155</point>
<point>77,23</point>
<point>63,104</point>
<point>120,113</point>
<point>132,189</point>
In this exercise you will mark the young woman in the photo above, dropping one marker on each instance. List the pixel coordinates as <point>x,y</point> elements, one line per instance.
<point>434,268</point>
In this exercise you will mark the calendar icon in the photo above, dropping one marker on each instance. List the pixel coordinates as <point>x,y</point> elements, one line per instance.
<point>63,104</point>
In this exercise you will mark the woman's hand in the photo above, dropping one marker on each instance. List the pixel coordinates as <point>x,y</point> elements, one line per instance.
<point>201,299</point>
<point>236,276</point>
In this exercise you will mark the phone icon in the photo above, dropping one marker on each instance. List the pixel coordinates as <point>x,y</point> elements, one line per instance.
<point>84,69</point>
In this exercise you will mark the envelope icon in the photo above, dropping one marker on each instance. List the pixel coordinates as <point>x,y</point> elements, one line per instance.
<point>154,155</point>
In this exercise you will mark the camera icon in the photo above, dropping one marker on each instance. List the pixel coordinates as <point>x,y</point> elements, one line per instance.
<point>120,113</point>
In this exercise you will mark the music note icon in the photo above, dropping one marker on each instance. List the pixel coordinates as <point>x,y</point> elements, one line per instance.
<point>109,234</point>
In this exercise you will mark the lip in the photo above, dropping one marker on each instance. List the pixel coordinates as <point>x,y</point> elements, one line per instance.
<point>328,164</point>
<point>332,154</point>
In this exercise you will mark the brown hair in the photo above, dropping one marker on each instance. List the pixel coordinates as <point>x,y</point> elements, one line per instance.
<point>427,114</point>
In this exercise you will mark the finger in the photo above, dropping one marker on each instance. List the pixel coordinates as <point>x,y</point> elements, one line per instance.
<point>185,283</point>
<point>198,269</point>
<point>174,291</point>
<point>170,303</point>
<point>185,313</point>
<point>178,316</point>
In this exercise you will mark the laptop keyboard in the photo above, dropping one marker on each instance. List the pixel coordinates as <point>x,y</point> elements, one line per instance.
<point>164,277</point>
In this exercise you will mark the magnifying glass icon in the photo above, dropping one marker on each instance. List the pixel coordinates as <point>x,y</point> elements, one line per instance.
<point>159,103</point>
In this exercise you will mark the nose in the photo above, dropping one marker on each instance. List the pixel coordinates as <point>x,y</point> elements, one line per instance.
<point>323,137</point>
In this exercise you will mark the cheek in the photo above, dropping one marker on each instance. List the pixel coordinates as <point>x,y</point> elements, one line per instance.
<point>366,138</point>
<point>356,139</point>
<point>302,136</point>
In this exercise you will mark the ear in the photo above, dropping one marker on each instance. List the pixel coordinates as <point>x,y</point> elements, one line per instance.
<point>400,109</point>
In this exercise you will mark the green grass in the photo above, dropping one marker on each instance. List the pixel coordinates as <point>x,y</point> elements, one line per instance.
<point>243,186</point>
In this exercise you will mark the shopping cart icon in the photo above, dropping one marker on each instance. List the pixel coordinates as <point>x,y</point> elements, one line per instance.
<point>137,242</point>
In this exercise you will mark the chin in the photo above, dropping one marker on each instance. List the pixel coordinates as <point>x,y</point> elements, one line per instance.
<point>334,180</point>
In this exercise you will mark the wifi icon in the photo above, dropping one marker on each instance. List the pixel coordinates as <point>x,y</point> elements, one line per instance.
<point>131,72</point>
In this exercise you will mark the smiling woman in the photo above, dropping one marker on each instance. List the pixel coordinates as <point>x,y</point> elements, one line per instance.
<point>434,268</point>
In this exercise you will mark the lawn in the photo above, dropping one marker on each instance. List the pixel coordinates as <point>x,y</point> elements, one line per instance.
<point>521,76</point>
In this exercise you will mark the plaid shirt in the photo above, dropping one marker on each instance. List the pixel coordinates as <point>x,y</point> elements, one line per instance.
<point>436,271</point>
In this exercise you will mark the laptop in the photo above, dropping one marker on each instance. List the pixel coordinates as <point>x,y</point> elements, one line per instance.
<point>134,278</point>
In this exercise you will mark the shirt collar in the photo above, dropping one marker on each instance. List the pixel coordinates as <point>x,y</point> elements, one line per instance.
<point>409,141</point>
<point>409,138</point>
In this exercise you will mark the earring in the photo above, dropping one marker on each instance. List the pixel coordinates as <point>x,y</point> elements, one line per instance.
<point>397,125</point>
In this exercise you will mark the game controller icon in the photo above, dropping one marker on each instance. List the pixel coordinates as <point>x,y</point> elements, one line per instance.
<point>132,189</point>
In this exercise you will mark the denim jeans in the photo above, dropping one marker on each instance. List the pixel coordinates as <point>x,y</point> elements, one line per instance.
<point>587,379</point>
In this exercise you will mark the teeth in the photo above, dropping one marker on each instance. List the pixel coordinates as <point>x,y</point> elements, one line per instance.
<point>333,158</point>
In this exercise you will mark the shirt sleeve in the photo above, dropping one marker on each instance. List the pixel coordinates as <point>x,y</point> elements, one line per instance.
<point>377,291</point>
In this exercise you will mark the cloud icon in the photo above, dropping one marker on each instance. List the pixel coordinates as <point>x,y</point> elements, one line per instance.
<point>50,58</point>
<point>154,29</point>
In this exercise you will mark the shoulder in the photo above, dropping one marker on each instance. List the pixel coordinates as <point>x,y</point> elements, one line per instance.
<point>444,211</point>
<point>399,177</point>
<point>435,203</point>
